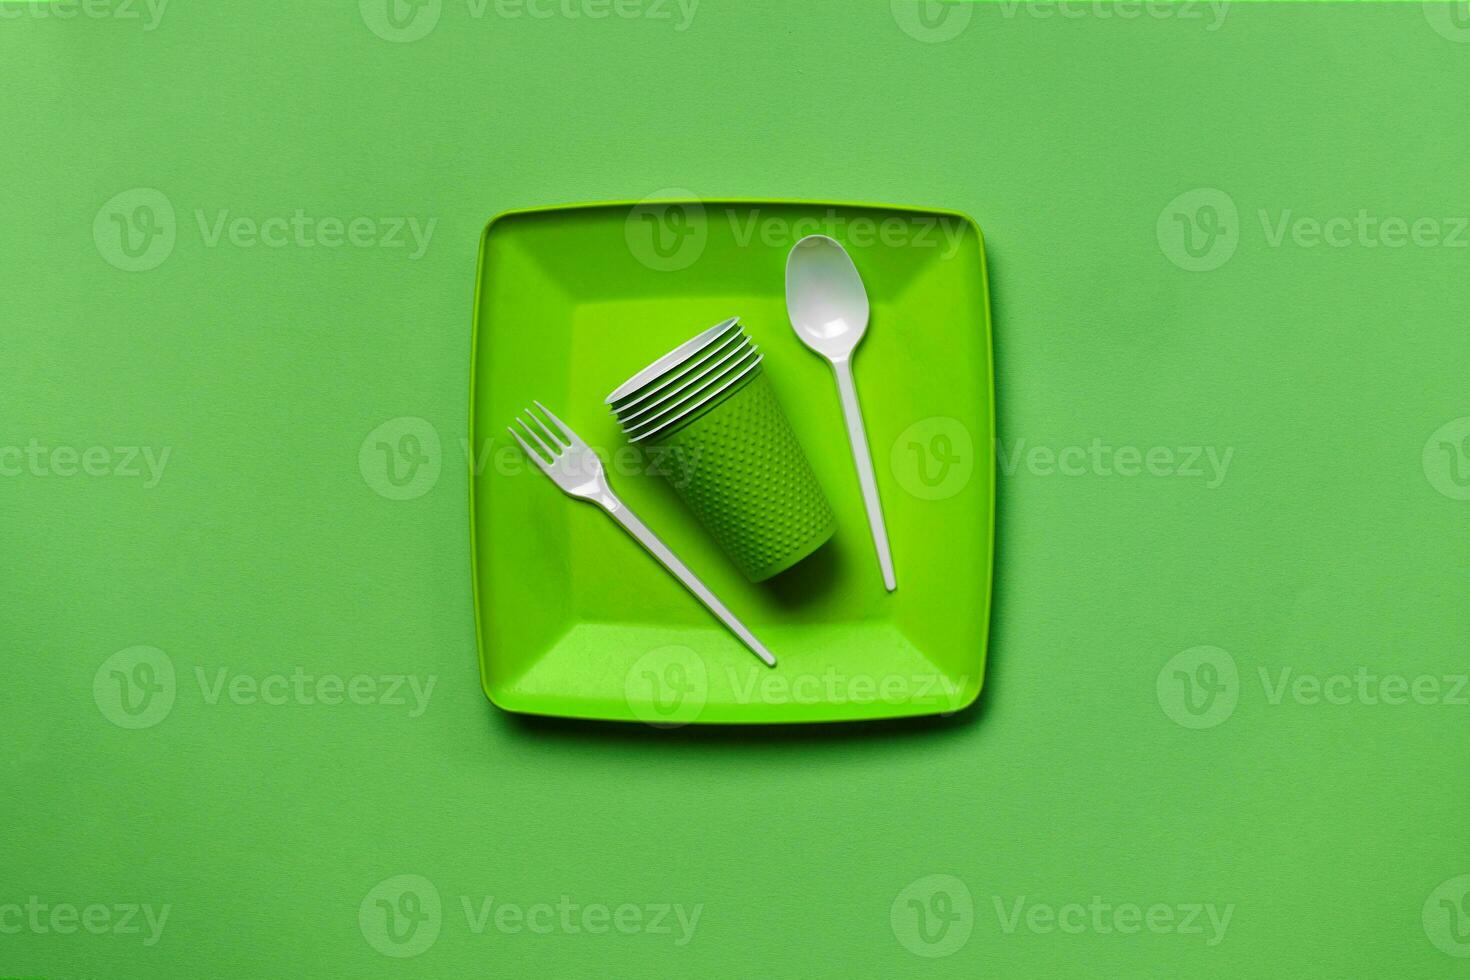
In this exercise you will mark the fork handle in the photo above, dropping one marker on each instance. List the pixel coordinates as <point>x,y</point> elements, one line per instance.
<point>624,515</point>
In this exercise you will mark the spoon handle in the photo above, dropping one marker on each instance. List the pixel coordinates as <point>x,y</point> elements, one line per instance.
<point>852,414</point>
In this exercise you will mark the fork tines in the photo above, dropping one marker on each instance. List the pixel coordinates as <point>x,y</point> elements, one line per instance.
<point>561,443</point>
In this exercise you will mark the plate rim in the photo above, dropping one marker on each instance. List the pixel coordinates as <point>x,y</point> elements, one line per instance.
<point>989,342</point>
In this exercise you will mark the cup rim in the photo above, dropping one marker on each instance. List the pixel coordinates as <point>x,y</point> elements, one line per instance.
<point>696,397</point>
<point>690,383</point>
<point>668,422</point>
<point>671,360</point>
<point>696,365</point>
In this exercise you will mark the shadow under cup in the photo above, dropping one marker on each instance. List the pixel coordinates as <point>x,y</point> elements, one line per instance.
<point>737,465</point>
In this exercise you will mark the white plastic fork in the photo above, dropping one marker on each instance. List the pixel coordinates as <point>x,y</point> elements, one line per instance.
<point>575,468</point>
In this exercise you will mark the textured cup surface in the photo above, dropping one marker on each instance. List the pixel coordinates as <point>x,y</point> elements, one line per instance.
<point>739,468</point>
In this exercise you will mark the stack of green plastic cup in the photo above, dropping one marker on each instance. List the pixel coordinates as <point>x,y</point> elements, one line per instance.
<point>726,446</point>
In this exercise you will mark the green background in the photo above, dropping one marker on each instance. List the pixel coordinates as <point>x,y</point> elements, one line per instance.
<point>1334,541</point>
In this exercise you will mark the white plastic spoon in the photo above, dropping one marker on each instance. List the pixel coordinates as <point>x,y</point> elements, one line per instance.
<point>828,307</point>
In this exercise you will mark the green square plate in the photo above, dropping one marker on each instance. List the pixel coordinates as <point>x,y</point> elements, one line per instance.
<point>574,619</point>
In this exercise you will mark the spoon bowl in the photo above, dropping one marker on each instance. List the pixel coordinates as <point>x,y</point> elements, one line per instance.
<point>825,297</point>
